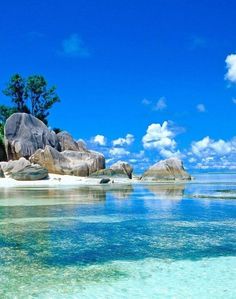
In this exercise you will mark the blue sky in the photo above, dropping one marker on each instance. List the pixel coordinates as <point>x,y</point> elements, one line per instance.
<point>150,78</point>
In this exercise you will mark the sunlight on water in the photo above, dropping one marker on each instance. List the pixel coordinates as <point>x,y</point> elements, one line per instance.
<point>146,241</point>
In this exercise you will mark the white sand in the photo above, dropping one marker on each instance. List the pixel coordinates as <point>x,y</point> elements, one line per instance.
<point>56,180</point>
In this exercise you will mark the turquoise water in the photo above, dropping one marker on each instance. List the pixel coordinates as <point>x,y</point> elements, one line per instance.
<point>145,241</point>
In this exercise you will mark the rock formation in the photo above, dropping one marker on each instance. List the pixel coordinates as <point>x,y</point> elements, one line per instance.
<point>68,162</point>
<point>119,169</point>
<point>169,169</point>
<point>67,142</point>
<point>24,134</point>
<point>23,170</point>
<point>28,137</point>
<point>30,173</point>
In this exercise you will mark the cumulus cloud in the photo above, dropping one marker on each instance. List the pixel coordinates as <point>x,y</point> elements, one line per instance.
<point>74,46</point>
<point>201,108</point>
<point>118,152</point>
<point>210,153</point>
<point>99,140</point>
<point>161,138</point>
<point>208,147</point>
<point>160,104</point>
<point>158,136</point>
<point>231,68</point>
<point>128,140</point>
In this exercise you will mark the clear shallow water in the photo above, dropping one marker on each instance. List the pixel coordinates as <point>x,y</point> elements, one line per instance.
<point>149,241</point>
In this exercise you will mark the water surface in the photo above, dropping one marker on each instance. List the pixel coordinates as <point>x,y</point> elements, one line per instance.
<point>145,241</point>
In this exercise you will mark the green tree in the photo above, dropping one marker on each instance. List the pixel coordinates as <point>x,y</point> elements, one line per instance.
<point>32,95</point>
<point>41,97</point>
<point>17,92</point>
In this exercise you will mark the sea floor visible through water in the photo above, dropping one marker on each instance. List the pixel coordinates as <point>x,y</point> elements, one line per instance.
<point>142,241</point>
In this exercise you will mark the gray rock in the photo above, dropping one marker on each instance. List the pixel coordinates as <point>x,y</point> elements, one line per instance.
<point>1,173</point>
<point>24,134</point>
<point>68,162</point>
<point>104,181</point>
<point>67,142</point>
<point>14,165</point>
<point>122,168</point>
<point>94,160</point>
<point>169,169</point>
<point>30,173</point>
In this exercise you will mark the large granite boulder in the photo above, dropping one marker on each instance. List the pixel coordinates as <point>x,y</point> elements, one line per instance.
<point>94,160</point>
<point>23,170</point>
<point>14,165</point>
<point>68,162</point>
<point>67,142</point>
<point>120,169</point>
<point>164,170</point>
<point>24,134</point>
<point>30,173</point>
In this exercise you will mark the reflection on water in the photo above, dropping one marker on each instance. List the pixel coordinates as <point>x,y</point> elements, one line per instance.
<point>67,243</point>
<point>167,192</point>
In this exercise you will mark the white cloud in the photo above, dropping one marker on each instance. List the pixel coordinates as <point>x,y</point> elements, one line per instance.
<point>160,104</point>
<point>146,102</point>
<point>234,100</point>
<point>158,136</point>
<point>128,140</point>
<point>208,147</point>
<point>74,46</point>
<point>118,152</point>
<point>231,68</point>
<point>99,139</point>
<point>210,153</point>
<point>201,108</point>
<point>161,138</point>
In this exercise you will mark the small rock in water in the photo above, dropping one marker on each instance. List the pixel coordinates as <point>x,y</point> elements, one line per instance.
<point>105,181</point>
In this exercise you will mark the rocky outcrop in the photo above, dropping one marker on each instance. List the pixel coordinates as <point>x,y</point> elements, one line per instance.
<point>68,162</point>
<point>30,173</point>
<point>122,168</point>
<point>165,170</point>
<point>14,165</point>
<point>94,160</point>
<point>24,134</point>
<point>23,170</point>
<point>67,142</point>
<point>119,169</point>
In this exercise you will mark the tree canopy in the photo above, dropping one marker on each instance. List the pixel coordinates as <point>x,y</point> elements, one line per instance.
<point>31,95</point>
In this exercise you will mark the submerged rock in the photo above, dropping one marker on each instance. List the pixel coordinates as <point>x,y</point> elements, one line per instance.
<point>24,134</point>
<point>169,169</point>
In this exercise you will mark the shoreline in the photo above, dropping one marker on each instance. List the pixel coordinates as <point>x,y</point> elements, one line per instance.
<point>57,180</point>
